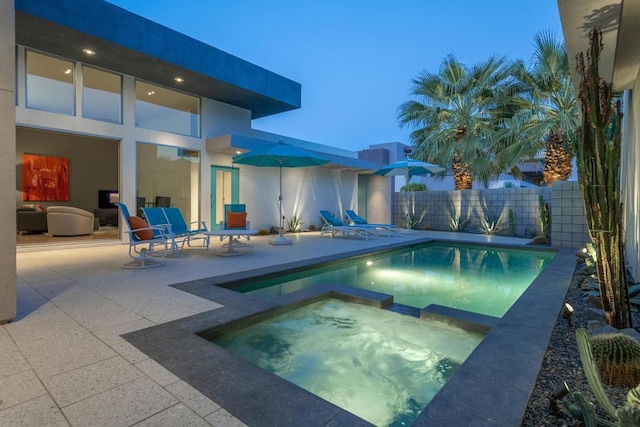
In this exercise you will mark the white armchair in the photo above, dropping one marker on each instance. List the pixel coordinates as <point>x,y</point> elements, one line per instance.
<point>68,221</point>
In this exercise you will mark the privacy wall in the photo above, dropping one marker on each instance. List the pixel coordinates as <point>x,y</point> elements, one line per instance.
<point>518,210</point>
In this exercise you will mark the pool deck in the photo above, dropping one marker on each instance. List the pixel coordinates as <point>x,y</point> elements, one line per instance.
<point>65,362</point>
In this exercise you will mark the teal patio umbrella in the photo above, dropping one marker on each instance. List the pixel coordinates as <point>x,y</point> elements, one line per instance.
<point>280,155</point>
<point>409,168</point>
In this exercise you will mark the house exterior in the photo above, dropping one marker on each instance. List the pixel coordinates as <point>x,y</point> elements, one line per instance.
<point>139,111</point>
<point>619,64</point>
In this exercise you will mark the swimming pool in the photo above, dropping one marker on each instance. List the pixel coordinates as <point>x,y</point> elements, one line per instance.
<point>479,279</point>
<point>494,383</point>
<point>382,366</point>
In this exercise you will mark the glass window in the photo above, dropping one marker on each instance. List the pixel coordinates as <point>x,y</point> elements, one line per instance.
<point>50,84</point>
<point>101,95</point>
<point>167,110</point>
<point>169,176</point>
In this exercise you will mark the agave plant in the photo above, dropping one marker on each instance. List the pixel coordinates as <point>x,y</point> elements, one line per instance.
<point>491,225</point>
<point>412,220</point>
<point>294,225</point>
<point>458,224</point>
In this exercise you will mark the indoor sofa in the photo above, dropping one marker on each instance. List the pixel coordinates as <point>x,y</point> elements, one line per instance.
<point>31,220</point>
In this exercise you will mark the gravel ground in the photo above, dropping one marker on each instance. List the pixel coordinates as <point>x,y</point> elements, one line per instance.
<point>562,363</point>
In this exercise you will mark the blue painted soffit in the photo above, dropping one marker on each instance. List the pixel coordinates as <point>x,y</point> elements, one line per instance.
<point>230,143</point>
<point>130,44</point>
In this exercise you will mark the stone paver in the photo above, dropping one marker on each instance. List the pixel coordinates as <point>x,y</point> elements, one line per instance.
<point>124,405</point>
<point>177,415</point>
<point>64,362</point>
<point>41,411</point>
<point>19,388</point>
<point>87,381</point>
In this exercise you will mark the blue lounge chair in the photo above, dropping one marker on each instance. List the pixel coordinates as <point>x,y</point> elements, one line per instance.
<point>145,241</point>
<point>190,231</point>
<point>172,220</point>
<point>358,220</point>
<point>332,225</point>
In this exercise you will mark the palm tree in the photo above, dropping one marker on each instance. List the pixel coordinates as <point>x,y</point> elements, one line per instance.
<point>548,116</point>
<point>456,116</point>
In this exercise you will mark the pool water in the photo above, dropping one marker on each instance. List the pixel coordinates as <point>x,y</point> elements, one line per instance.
<point>382,366</point>
<point>480,279</point>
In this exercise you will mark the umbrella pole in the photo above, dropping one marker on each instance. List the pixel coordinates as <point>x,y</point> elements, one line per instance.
<point>281,240</point>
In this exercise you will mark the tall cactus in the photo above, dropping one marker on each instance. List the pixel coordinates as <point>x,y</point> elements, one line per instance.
<point>598,159</point>
<point>545,218</point>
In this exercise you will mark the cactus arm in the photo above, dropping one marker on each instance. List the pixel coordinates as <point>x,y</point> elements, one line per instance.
<point>591,372</point>
<point>628,416</point>
<point>586,411</point>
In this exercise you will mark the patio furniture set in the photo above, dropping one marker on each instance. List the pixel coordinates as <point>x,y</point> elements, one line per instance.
<point>164,231</point>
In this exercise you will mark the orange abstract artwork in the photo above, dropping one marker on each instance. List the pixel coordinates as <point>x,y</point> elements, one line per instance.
<point>45,178</point>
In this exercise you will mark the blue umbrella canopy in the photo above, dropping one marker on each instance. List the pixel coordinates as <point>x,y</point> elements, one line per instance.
<point>280,155</point>
<point>409,167</point>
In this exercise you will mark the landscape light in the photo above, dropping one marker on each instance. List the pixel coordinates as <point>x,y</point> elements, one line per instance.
<point>567,312</point>
<point>558,394</point>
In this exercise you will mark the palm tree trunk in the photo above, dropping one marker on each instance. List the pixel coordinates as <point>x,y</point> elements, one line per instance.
<point>462,176</point>
<point>557,160</point>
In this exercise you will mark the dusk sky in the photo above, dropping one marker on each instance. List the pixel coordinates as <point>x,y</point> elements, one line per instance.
<point>354,58</point>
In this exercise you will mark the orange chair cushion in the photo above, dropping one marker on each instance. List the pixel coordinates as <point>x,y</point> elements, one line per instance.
<point>136,222</point>
<point>236,220</point>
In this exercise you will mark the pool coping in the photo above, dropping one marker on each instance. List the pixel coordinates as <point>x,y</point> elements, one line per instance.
<point>492,387</point>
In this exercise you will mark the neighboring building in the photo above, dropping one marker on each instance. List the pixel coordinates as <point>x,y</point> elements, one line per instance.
<point>141,111</point>
<point>391,152</point>
<point>619,64</point>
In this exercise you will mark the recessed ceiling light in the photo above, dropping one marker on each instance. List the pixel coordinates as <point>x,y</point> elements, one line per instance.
<point>151,92</point>
<point>89,51</point>
<point>67,71</point>
<point>178,79</point>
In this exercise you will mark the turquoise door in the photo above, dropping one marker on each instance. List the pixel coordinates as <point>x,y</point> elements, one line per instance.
<point>224,190</point>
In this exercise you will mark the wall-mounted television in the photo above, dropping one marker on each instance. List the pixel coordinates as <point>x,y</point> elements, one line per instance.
<point>107,198</point>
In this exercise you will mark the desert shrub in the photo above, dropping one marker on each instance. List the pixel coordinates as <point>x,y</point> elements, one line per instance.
<point>414,186</point>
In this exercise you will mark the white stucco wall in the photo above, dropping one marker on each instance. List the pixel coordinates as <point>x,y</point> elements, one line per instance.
<point>380,200</point>
<point>305,191</point>
<point>630,178</point>
<point>8,287</point>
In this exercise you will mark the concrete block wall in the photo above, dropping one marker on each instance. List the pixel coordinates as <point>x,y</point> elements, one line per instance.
<point>437,208</point>
<point>568,223</point>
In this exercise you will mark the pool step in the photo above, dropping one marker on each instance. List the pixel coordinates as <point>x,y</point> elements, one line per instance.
<point>474,322</point>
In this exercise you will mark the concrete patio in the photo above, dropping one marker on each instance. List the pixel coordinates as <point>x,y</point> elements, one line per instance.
<point>64,361</point>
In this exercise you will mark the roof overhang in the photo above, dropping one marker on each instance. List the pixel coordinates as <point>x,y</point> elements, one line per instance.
<point>130,44</point>
<point>232,145</point>
<point>617,19</point>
